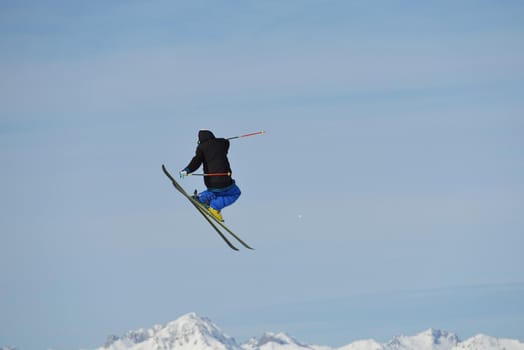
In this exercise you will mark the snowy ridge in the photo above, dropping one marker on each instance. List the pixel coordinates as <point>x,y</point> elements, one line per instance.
<point>431,339</point>
<point>368,344</point>
<point>274,341</point>
<point>485,342</point>
<point>189,332</point>
<point>192,332</point>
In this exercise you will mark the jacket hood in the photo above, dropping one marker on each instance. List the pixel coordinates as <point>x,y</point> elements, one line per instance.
<point>205,135</point>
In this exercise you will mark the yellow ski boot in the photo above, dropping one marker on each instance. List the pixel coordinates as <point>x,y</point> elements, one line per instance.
<point>216,214</point>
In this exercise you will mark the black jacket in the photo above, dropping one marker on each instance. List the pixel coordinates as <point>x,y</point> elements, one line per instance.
<point>212,152</point>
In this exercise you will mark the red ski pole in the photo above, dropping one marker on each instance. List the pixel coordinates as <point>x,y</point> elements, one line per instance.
<point>247,135</point>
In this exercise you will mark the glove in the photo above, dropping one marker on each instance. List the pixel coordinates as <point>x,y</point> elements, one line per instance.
<point>183,173</point>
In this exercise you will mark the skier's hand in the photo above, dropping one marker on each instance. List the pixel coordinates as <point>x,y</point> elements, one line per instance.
<point>183,173</point>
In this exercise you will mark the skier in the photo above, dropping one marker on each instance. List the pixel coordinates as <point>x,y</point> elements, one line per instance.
<point>222,190</point>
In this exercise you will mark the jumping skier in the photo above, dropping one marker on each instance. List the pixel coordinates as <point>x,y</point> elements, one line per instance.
<point>222,190</point>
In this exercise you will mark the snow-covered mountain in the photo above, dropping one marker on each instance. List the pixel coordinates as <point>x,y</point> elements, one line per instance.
<point>431,339</point>
<point>485,342</point>
<point>189,332</point>
<point>279,341</point>
<point>192,332</point>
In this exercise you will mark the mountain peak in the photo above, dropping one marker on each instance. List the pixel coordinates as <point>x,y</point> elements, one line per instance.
<point>278,338</point>
<point>433,339</point>
<point>485,342</point>
<point>189,331</point>
<point>191,317</point>
<point>271,340</point>
<point>193,332</point>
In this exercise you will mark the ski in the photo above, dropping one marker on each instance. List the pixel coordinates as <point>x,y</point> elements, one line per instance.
<point>184,193</point>
<point>205,213</point>
<point>203,209</point>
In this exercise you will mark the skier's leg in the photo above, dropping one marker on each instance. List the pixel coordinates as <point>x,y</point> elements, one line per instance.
<point>206,197</point>
<point>226,198</point>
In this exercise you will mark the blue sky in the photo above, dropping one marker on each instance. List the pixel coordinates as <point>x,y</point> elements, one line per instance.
<point>385,198</point>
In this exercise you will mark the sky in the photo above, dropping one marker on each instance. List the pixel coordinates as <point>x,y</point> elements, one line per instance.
<point>385,198</point>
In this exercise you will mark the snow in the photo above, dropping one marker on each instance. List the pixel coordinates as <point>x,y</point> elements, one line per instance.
<point>363,345</point>
<point>431,339</point>
<point>192,332</point>
<point>485,342</point>
<point>275,341</point>
<point>189,332</point>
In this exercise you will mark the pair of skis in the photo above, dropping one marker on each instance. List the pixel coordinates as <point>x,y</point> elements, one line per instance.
<point>207,215</point>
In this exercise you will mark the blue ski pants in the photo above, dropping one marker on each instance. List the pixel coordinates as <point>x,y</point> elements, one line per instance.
<point>220,199</point>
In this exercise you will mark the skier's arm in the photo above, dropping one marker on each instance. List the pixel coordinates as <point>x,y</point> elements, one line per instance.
<point>195,163</point>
